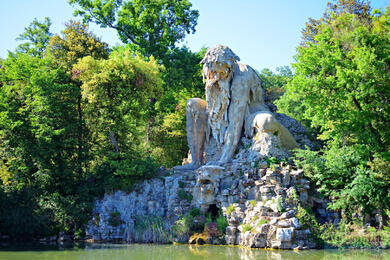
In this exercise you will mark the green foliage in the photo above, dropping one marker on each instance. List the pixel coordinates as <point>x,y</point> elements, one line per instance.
<point>273,82</point>
<point>58,148</point>
<point>246,227</point>
<point>230,209</point>
<point>360,8</point>
<point>36,37</point>
<point>341,88</point>
<point>345,235</point>
<point>74,43</point>
<point>252,203</point>
<point>107,86</point>
<point>194,212</point>
<point>182,227</point>
<point>153,229</point>
<point>115,219</point>
<point>222,223</point>
<point>152,27</point>
<point>184,195</point>
<point>342,84</point>
<point>21,215</point>
<point>123,170</point>
<point>279,204</point>
<point>261,222</point>
<point>345,175</point>
<point>182,80</point>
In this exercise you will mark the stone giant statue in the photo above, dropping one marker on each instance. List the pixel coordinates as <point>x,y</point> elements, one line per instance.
<point>234,103</point>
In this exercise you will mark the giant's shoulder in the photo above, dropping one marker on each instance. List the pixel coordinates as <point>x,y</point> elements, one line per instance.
<point>243,70</point>
<point>240,67</point>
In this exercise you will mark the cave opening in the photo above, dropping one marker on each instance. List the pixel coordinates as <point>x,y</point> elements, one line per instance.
<point>213,210</point>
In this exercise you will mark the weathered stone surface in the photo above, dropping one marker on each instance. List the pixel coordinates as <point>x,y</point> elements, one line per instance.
<point>234,100</point>
<point>284,234</point>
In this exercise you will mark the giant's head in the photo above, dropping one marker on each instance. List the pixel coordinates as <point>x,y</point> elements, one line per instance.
<point>218,63</point>
<point>218,68</point>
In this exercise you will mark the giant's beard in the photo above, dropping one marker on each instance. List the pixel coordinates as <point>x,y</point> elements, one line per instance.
<point>218,100</point>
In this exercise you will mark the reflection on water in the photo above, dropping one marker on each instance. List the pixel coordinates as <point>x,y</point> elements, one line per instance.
<point>182,252</point>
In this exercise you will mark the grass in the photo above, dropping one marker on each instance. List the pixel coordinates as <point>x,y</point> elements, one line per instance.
<point>261,222</point>
<point>230,210</point>
<point>253,203</point>
<point>246,227</point>
<point>279,204</point>
<point>152,230</point>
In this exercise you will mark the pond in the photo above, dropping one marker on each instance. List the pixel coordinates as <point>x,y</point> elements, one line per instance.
<point>182,252</point>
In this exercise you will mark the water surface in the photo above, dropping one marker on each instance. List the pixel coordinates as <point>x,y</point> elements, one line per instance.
<point>179,252</point>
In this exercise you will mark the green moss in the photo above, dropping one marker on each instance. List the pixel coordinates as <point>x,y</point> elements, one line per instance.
<point>181,184</point>
<point>184,195</point>
<point>262,221</point>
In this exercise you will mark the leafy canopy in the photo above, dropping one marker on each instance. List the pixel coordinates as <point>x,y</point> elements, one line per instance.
<point>342,81</point>
<point>151,26</point>
<point>36,37</point>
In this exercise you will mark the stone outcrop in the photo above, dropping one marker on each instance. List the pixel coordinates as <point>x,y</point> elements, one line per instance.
<point>259,202</point>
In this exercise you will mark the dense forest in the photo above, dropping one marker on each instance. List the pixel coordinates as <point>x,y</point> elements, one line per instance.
<point>79,119</point>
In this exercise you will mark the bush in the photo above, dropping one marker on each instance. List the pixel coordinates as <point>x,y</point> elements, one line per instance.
<point>348,176</point>
<point>194,212</point>
<point>222,223</point>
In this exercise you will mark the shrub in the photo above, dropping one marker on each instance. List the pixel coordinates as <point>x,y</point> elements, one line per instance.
<point>222,223</point>
<point>181,228</point>
<point>347,174</point>
<point>194,212</point>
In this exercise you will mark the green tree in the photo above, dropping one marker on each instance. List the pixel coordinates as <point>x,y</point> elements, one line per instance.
<point>36,37</point>
<point>273,82</point>
<point>341,86</point>
<point>115,101</point>
<point>360,8</point>
<point>151,26</point>
<point>74,43</point>
<point>39,143</point>
<point>182,80</point>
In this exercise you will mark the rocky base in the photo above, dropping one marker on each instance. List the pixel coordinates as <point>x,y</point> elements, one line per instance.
<point>259,202</point>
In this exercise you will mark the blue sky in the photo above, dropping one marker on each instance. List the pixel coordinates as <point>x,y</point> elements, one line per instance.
<point>264,34</point>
